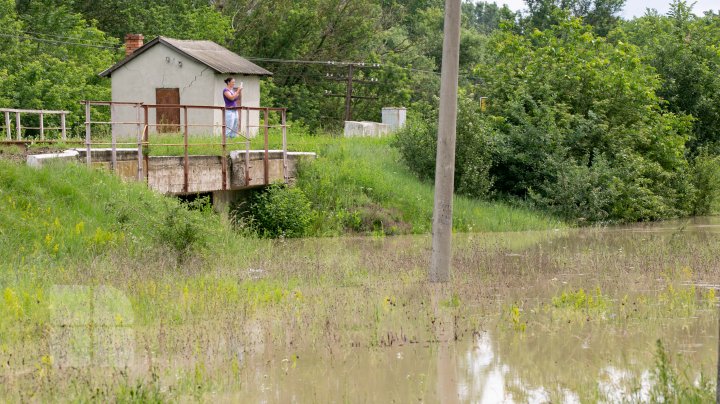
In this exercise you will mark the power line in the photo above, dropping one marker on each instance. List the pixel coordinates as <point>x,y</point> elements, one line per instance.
<point>109,42</point>
<point>317,62</point>
<point>32,38</point>
<point>357,64</point>
<point>339,64</point>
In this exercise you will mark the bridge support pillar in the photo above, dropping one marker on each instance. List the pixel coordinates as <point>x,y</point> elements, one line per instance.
<point>223,200</point>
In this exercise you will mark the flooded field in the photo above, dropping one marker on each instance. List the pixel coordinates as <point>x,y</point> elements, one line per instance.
<point>609,314</point>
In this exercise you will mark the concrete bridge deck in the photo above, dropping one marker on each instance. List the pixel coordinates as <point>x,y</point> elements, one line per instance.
<point>201,174</point>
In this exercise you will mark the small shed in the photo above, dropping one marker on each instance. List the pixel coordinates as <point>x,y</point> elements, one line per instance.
<point>174,71</point>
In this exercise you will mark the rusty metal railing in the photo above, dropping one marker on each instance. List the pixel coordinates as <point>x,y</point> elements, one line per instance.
<point>267,126</point>
<point>113,136</point>
<point>42,128</point>
<point>144,129</point>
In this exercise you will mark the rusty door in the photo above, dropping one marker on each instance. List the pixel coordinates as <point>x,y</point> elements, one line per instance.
<point>167,119</point>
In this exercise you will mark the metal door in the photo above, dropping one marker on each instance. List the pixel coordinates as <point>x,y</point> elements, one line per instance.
<point>167,119</point>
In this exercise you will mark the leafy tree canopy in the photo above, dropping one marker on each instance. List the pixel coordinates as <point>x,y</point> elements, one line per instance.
<point>579,127</point>
<point>683,49</point>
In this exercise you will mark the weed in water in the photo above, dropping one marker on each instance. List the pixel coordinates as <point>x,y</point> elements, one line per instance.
<point>673,386</point>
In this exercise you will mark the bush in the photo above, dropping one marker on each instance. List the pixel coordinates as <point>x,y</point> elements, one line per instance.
<point>181,230</point>
<point>577,127</point>
<point>278,211</point>
<point>579,192</point>
<point>417,144</point>
<point>706,178</point>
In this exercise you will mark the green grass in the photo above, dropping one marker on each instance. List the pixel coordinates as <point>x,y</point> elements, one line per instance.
<point>194,318</point>
<point>359,184</point>
<point>67,212</point>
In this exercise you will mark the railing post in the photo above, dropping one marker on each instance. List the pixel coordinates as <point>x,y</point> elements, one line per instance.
<point>42,125</point>
<point>186,163</point>
<point>18,126</point>
<point>223,127</point>
<point>284,146</point>
<point>113,141</point>
<point>88,156</point>
<point>247,147</point>
<point>147,123</point>
<point>224,158</point>
<point>7,125</point>
<point>139,143</point>
<point>266,160</point>
<point>146,139</point>
<point>63,130</point>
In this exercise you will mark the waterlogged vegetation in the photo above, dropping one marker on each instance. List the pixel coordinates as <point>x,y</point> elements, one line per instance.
<point>109,292</point>
<point>98,304</point>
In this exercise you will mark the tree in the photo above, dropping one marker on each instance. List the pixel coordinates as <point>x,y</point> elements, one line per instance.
<point>602,15</point>
<point>486,17</point>
<point>51,59</point>
<point>182,19</point>
<point>579,128</point>
<point>320,31</point>
<point>682,48</point>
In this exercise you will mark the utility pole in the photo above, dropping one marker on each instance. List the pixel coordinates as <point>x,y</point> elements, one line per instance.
<point>445,162</point>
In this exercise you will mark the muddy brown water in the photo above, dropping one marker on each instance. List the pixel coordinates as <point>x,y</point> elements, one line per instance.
<point>553,316</point>
<point>560,355</point>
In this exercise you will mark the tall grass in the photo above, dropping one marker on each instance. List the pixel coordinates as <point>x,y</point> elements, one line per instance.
<point>67,213</point>
<point>360,184</point>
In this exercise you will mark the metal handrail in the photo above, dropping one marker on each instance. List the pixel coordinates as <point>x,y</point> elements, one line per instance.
<point>42,128</point>
<point>144,135</point>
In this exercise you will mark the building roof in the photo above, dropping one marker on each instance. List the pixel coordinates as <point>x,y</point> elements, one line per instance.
<point>208,53</point>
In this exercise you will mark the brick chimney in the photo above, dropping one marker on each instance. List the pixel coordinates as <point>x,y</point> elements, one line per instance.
<point>133,42</point>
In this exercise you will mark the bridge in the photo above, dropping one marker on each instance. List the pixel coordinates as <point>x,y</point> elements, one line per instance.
<point>223,174</point>
<point>224,179</point>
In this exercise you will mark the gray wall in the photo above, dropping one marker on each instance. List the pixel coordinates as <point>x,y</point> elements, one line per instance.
<point>162,67</point>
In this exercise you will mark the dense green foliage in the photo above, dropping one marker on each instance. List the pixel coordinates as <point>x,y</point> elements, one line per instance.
<point>588,116</point>
<point>473,157</point>
<point>277,211</point>
<point>683,50</point>
<point>45,73</point>
<point>579,128</point>
<point>585,126</point>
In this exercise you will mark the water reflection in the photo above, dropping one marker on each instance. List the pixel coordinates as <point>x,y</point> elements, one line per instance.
<point>354,320</point>
<point>606,357</point>
<point>490,367</point>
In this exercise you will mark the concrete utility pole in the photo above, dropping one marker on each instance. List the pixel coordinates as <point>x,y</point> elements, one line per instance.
<point>445,162</point>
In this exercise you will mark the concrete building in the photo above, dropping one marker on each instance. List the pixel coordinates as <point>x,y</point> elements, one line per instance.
<point>173,71</point>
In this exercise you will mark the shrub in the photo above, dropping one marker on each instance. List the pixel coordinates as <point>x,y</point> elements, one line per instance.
<point>279,210</point>
<point>417,144</point>
<point>181,230</point>
<point>579,192</point>
<point>706,178</point>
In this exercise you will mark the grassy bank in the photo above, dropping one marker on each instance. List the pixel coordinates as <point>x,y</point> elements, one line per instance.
<point>64,214</point>
<point>359,186</point>
<point>202,310</point>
